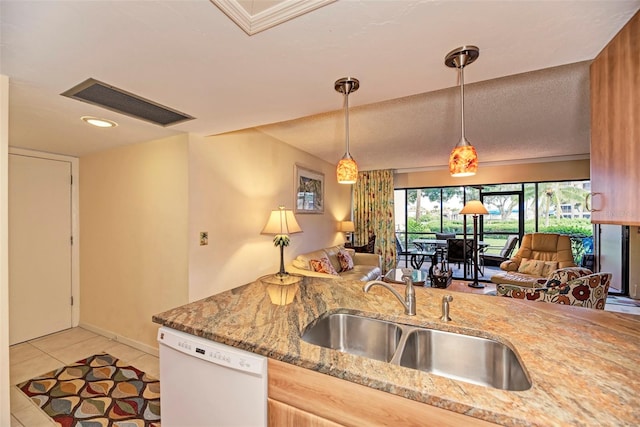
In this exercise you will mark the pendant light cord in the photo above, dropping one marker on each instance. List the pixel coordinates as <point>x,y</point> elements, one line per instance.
<point>462,101</point>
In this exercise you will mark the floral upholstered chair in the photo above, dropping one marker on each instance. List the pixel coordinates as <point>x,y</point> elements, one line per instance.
<point>569,286</point>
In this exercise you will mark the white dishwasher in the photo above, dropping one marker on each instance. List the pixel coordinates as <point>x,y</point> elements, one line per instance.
<point>208,384</point>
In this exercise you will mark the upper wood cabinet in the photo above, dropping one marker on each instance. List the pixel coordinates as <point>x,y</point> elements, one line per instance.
<point>615,129</point>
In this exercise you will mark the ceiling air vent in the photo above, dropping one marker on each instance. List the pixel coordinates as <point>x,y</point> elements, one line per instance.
<point>120,101</point>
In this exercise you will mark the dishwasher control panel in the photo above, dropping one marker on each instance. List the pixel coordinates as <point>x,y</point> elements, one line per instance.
<point>212,351</point>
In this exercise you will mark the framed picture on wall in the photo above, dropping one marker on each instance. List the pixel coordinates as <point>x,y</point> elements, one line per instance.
<point>308,187</point>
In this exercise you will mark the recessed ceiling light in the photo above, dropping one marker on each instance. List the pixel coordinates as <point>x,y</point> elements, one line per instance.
<point>101,123</point>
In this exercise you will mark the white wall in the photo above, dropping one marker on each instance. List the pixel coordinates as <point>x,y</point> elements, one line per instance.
<point>235,180</point>
<point>4,252</point>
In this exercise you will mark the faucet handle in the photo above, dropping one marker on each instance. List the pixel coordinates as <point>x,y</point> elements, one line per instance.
<point>445,308</point>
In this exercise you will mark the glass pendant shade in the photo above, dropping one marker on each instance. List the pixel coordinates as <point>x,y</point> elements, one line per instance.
<point>463,160</point>
<point>347,170</point>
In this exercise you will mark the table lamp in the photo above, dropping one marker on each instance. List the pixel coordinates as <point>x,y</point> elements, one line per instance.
<point>281,223</point>
<point>347,227</point>
<point>475,208</point>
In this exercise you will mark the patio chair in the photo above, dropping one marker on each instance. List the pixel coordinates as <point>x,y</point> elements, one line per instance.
<point>445,236</point>
<point>400,249</point>
<point>442,248</point>
<point>460,251</point>
<point>505,253</point>
<point>418,256</point>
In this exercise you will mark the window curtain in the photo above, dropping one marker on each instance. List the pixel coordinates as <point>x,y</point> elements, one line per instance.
<point>373,213</point>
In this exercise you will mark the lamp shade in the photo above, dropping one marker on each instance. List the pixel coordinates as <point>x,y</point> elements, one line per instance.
<point>463,160</point>
<point>346,226</point>
<point>281,221</point>
<point>474,207</point>
<point>347,171</point>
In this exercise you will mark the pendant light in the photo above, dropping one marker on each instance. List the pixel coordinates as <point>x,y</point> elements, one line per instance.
<point>463,160</point>
<point>347,170</point>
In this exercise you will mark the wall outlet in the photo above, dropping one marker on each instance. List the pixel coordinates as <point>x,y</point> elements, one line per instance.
<point>634,291</point>
<point>204,238</point>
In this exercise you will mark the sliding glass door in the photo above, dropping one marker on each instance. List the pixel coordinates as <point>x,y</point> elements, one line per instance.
<point>506,217</point>
<point>514,209</point>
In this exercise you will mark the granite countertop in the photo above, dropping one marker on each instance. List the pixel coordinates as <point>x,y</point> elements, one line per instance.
<point>584,364</point>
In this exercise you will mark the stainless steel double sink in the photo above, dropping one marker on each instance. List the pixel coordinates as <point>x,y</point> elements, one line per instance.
<point>461,357</point>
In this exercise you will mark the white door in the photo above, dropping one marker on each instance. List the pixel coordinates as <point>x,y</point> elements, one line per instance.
<point>39,247</point>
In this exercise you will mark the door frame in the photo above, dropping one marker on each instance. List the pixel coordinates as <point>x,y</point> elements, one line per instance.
<point>519,194</point>
<point>75,222</point>
<point>624,256</point>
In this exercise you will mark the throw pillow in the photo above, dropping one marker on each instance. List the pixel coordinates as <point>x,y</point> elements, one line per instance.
<point>525,265</point>
<point>346,262</point>
<point>531,266</point>
<point>537,267</point>
<point>549,267</point>
<point>323,265</point>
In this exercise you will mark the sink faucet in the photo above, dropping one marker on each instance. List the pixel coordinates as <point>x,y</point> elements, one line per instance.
<point>445,308</point>
<point>409,301</point>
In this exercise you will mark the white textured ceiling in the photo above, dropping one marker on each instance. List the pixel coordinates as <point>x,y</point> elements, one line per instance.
<point>189,56</point>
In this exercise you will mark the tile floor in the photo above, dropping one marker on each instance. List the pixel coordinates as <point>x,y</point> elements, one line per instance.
<point>45,354</point>
<point>620,307</point>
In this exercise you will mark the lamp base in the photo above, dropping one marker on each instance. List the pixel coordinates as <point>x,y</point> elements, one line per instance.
<point>475,285</point>
<point>281,279</point>
<point>281,289</point>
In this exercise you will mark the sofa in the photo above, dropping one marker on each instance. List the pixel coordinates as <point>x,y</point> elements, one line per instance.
<point>338,262</point>
<point>539,255</point>
<point>569,286</point>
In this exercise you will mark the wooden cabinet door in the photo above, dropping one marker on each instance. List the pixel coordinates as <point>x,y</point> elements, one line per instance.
<point>283,415</point>
<point>615,129</point>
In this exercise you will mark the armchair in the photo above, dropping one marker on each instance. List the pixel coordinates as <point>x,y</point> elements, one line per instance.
<point>538,256</point>
<point>369,248</point>
<point>569,286</point>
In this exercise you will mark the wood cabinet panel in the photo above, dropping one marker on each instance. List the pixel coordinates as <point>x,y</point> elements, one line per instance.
<point>615,129</point>
<point>283,415</point>
<point>350,404</point>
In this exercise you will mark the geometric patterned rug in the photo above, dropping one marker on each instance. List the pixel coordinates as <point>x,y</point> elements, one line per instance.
<point>99,391</point>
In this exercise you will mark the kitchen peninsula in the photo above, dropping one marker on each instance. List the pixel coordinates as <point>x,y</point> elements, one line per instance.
<point>584,364</point>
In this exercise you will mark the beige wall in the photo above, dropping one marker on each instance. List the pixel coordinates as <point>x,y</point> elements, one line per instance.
<point>502,174</point>
<point>235,180</point>
<point>143,206</point>
<point>133,248</point>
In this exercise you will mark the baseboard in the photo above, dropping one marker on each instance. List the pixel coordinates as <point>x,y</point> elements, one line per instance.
<point>124,340</point>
